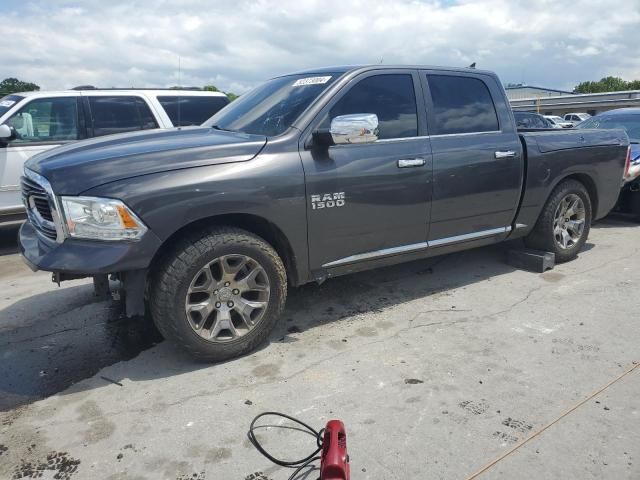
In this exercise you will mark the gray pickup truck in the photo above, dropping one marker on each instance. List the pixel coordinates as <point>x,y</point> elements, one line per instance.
<point>309,176</point>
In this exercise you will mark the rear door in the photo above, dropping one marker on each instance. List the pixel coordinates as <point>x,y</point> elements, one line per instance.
<point>369,201</point>
<point>185,110</point>
<point>477,165</point>
<point>110,114</point>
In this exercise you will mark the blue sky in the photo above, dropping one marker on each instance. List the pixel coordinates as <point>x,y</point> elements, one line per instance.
<point>236,44</point>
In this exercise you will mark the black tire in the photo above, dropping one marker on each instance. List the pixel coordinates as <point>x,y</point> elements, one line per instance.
<point>542,236</point>
<point>172,277</point>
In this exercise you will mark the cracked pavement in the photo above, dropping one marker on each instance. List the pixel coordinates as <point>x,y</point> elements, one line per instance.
<point>437,367</point>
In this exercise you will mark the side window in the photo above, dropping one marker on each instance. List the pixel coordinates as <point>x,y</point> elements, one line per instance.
<point>538,122</point>
<point>522,120</point>
<point>184,111</point>
<point>391,97</point>
<point>46,120</point>
<point>119,114</point>
<point>147,120</point>
<point>461,105</point>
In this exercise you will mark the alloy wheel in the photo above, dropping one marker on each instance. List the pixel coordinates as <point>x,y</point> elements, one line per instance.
<point>569,221</point>
<point>227,298</point>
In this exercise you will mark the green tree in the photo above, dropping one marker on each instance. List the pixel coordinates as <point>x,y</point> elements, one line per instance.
<point>607,84</point>
<point>13,85</point>
<point>213,88</point>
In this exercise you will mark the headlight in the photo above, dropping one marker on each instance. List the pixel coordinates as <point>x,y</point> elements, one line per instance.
<point>101,219</point>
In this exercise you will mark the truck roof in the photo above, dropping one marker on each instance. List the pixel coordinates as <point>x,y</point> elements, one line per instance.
<point>151,91</point>
<point>353,68</point>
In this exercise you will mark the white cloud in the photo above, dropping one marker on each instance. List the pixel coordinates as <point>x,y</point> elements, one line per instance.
<point>236,44</point>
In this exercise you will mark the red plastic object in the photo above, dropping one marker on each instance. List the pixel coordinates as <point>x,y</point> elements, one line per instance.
<point>334,463</point>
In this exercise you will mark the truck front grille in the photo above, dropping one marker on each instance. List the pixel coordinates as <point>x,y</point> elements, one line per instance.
<point>39,208</point>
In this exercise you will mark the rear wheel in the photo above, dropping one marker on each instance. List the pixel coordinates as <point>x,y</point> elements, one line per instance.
<point>219,293</point>
<point>564,223</point>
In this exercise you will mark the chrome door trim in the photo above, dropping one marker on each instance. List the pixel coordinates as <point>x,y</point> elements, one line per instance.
<point>401,139</point>
<point>468,236</point>
<point>415,247</point>
<point>385,252</point>
<point>465,134</point>
<point>505,154</point>
<point>411,162</point>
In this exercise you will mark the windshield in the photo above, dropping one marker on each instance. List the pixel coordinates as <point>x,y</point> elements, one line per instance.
<point>629,122</point>
<point>274,106</point>
<point>7,102</point>
<point>556,119</point>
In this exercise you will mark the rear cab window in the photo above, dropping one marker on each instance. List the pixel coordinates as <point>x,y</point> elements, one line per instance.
<point>184,110</point>
<point>461,105</point>
<point>119,114</point>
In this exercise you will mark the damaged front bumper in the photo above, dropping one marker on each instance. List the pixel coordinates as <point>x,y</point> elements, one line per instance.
<point>73,259</point>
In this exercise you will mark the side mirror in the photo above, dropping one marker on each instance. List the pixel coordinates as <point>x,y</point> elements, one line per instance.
<point>6,133</point>
<point>354,128</point>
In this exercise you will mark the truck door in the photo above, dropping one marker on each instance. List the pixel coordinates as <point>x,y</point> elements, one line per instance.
<point>41,124</point>
<point>370,201</point>
<point>477,163</point>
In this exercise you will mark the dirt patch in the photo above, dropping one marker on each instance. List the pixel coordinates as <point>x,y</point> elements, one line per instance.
<point>266,370</point>
<point>63,466</point>
<point>477,407</point>
<point>216,455</point>
<point>100,427</point>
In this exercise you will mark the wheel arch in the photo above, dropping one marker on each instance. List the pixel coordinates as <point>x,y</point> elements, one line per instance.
<point>588,182</point>
<point>255,224</point>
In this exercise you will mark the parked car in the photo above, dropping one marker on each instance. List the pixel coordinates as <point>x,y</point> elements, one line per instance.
<point>629,120</point>
<point>532,121</point>
<point>576,118</point>
<point>309,176</point>
<point>38,121</point>
<point>558,122</point>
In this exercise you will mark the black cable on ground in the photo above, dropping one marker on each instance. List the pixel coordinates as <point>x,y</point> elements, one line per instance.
<point>299,465</point>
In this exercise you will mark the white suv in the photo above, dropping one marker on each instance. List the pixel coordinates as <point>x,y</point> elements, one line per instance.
<point>36,121</point>
<point>576,118</point>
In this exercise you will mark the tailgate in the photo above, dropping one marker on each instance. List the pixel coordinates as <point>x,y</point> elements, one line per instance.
<point>551,141</point>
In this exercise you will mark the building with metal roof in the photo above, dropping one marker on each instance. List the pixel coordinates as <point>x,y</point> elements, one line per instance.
<point>517,92</point>
<point>591,103</point>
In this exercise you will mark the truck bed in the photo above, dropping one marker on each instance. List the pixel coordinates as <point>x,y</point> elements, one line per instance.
<point>552,155</point>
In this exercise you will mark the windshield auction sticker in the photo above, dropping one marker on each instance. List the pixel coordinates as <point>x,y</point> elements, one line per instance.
<point>311,81</point>
<point>8,103</point>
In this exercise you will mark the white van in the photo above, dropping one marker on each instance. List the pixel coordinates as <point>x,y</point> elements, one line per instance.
<point>36,121</point>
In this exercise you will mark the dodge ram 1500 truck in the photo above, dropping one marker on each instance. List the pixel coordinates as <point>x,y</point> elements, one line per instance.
<point>309,176</point>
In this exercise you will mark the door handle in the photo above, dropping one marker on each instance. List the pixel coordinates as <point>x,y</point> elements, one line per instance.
<point>506,154</point>
<point>411,162</point>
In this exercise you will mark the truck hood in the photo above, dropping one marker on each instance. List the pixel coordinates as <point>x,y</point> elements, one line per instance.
<point>79,166</point>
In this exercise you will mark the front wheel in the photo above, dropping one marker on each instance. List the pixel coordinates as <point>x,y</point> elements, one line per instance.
<point>564,223</point>
<point>219,294</point>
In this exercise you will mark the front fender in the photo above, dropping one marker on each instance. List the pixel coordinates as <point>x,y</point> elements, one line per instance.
<point>270,187</point>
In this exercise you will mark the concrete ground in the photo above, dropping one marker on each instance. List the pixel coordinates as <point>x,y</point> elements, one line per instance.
<point>437,367</point>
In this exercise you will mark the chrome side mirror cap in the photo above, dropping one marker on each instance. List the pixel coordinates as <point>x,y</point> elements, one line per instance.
<point>354,128</point>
